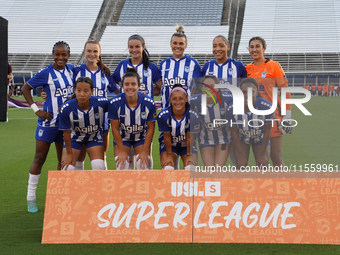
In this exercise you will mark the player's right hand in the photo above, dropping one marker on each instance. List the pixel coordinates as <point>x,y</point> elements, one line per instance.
<point>44,115</point>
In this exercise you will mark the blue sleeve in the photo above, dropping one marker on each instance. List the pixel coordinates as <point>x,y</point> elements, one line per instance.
<point>112,110</point>
<point>156,74</point>
<point>75,73</point>
<point>40,79</point>
<point>152,112</point>
<point>242,70</point>
<point>197,71</point>
<point>112,87</point>
<point>195,124</point>
<point>204,69</point>
<point>64,120</point>
<point>163,127</point>
<point>116,73</point>
<point>230,115</point>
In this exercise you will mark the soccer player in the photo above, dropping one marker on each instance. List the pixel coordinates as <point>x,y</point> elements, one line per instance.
<point>319,90</point>
<point>307,87</point>
<point>91,69</point>
<point>81,119</point>
<point>251,129</point>
<point>57,81</point>
<point>313,90</point>
<point>179,68</point>
<point>132,115</point>
<point>214,140</point>
<point>331,89</point>
<point>177,124</point>
<point>269,74</point>
<point>325,91</point>
<point>148,72</point>
<point>224,68</point>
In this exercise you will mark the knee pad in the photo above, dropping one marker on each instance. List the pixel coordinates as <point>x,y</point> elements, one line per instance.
<point>189,167</point>
<point>120,168</point>
<point>70,168</point>
<point>97,164</point>
<point>169,168</point>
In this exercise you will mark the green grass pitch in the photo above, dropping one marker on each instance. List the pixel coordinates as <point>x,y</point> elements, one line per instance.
<point>314,140</point>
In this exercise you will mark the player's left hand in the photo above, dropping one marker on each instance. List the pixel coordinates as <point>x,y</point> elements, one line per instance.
<point>287,125</point>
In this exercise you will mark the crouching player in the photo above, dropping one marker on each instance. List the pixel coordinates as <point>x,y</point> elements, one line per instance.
<point>251,129</point>
<point>178,124</point>
<point>81,119</point>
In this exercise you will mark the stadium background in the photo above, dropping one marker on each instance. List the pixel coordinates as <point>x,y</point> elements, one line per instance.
<point>303,35</point>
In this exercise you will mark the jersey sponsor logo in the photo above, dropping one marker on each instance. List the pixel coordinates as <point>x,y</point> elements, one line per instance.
<point>230,71</point>
<point>41,132</point>
<point>98,92</point>
<point>253,133</point>
<point>134,129</point>
<point>173,81</point>
<point>87,130</point>
<point>66,92</point>
<point>178,139</point>
<point>261,88</point>
<point>264,74</point>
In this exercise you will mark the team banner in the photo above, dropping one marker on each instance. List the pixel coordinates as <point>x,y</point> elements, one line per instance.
<point>174,206</point>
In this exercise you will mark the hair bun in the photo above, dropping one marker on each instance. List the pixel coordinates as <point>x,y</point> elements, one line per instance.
<point>180,29</point>
<point>131,70</point>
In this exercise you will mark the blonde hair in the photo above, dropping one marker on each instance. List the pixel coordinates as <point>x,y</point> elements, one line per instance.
<point>179,32</point>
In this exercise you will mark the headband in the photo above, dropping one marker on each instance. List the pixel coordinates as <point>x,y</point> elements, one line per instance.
<point>179,89</point>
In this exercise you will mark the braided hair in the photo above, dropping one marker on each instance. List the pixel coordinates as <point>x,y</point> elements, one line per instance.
<point>61,43</point>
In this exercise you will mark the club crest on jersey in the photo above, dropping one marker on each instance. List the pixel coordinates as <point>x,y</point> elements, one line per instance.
<point>41,132</point>
<point>187,69</point>
<point>211,73</point>
<point>264,74</point>
<point>103,80</point>
<point>96,116</point>
<point>146,73</point>
<point>143,115</point>
<point>230,71</point>
<point>222,111</point>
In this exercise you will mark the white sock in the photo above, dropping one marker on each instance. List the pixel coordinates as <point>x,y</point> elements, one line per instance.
<point>32,186</point>
<point>79,165</point>
<point>169,168</point>
<point>176,166</point>
<point>120,168</point>
<point>189,167</point>
<point>97,164</point>
<point>105,163</point>
<point>71,168</point>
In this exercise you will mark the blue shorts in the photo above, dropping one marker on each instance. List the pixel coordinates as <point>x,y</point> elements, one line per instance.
<point>89,144</point>
<point>178,150</point>
<point>131,143</point>
<point>49,134</point>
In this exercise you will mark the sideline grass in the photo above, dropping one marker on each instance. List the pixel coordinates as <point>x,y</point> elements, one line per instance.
<point>314,140</point>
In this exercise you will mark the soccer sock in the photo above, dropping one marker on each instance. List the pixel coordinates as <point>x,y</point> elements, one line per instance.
<point>79,165</point>
<point>169,168</point>
<point>97,164</point>
<point>189,167</point>
<point>120,168</point>
<point>105,163</point>
<point>32,186</point>
<point>176,166</point>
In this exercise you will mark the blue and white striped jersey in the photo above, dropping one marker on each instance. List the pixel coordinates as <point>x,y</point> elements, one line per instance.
<point>251,126</point>
<point>178,128</point>
<point>178,71</point>
<point>86,126</point>
<point>101,83</point>
<point>230,71</point>
<point>210,134</point>
<point>133,122</point>
<point>58,85</point>
<point>148,76</point>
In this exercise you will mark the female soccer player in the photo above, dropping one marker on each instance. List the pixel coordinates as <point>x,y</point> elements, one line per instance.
<point>91,69</point>
<point>57,81</point>
<point>132,115</point>
<point>81,119</point>
<point>224,68</point>
<point>269,74</point>
<point>179,68</point>
<point>176,124</point>
<point>251,129</point>
<point>147,71</point>
<point>214,139</point>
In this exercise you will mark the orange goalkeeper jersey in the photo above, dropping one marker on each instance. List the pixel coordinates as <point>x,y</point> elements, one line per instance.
<point>268,75</point>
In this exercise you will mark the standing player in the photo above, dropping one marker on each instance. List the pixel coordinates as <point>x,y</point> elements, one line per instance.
<point>176,124</point>
<point>132,115</point>
<point>224,68</point>
<point>269,74</point>
<point>148,71</point>
<point>57,81</point>
<point>251,129</point>
<point>214,139</point>
<point>179,68</point>
<point>91,69</point>
<point>81,119</point>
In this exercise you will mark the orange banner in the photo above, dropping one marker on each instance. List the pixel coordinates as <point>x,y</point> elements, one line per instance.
<point>170,206</point>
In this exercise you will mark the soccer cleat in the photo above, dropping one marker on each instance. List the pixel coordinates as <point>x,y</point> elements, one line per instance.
<point>32,206</point>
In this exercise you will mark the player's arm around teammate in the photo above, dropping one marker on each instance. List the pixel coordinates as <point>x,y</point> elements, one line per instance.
<point>81,119</point>
<point>132,117</point>
<point>57,82</point>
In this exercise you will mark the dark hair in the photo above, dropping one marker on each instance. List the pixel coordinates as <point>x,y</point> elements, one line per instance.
<point>131,72</point>
<point>178,86</point>
<point>145,53</point>
<point>179,32</point>
<point>263,42</point>
<point>61,43</point>
<point>219,92</point>
<point>253,81</point>
<point>223,38</point>
<point>94,41</point>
